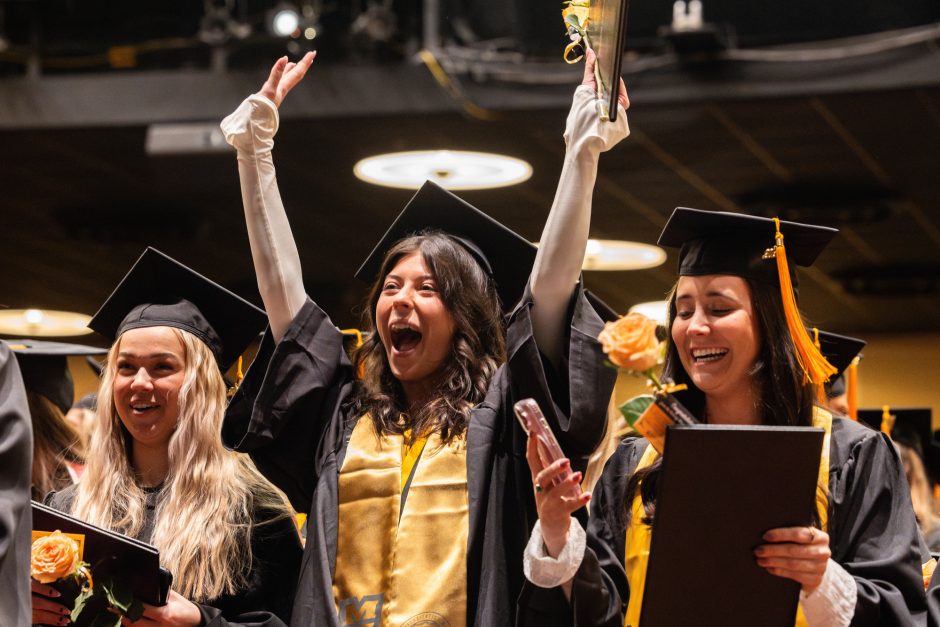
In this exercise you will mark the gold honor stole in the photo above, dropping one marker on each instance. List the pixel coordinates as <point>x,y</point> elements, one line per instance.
<point>639,534</point>
<point>401,550</point>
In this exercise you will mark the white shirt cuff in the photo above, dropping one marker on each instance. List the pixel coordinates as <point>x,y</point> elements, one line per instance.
<point>832,603</point>
<point>548,572</point>
<point>251,127</point>
<point>584,128</point>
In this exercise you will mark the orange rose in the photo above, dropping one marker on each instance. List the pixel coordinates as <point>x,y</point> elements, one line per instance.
<point>631,343</point>
<point>53,557</point>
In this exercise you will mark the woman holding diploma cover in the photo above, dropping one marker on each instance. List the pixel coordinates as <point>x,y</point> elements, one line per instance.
<point>410,460</point>
<point>745,362</point>
<point>157,470</point>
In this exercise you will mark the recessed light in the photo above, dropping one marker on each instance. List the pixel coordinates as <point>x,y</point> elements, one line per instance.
<point>608,254</point>
<point>451,169</point>
<point>43,323</point>
<point>656,310</point>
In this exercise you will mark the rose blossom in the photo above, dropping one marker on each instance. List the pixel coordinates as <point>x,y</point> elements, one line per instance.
<point>53,557</point>
<point>630,342</point>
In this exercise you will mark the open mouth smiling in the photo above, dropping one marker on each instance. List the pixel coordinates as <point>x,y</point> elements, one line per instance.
<point>707,355</point>
<point>404,337</point>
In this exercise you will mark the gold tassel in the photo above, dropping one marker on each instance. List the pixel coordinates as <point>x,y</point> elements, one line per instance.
<point>851,389</point>
<point>821,397</point>
<point>815,367</point>
<point>358,334</point>
<point>887,420</point>
<point>239,376</point>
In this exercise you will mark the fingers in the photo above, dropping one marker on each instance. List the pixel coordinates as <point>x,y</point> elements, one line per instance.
<point>589,60</point>
<point>293,74</point>
<point>43,589</point>
<point>798,535</point>
<point>532,456</point>
<point>552,474</point>
<point>797,551</point>
<point>623,97</point>
<point>48,612</point>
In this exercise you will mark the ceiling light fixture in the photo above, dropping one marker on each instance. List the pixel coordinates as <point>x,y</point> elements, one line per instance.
<point>656,310</point>
<point>283,19</point>
<point>608,254</point>
<point>43,323</point>
<point>451,169</point>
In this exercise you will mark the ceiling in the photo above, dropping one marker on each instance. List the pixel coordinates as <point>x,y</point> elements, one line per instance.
<point>858,151</point>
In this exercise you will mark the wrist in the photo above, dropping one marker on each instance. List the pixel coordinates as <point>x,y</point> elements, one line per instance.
<point>554,542</point>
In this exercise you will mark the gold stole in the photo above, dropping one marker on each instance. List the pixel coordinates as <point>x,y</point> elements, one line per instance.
<point>638,538</point>
<point>398,566</point>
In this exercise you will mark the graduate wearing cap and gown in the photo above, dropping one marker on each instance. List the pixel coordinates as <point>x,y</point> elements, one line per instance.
<point>841,391</point>
<point>745,362</point>
<point>911,431</point>
<point>157,470</point>
<point>16,519</point>
<point>404,530</point>
<point>58,449</point>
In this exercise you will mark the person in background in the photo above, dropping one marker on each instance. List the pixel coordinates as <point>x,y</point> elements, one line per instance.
<point>842,352</point>
<point>58,449</point>
<point>157,470</point>
<point>16,519</point>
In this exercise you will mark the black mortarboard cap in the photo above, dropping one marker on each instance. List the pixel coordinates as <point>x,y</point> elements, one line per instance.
<point>501,252</point>
<point>912,426</point>
<point>839,351</point>
<point>160,291</point>
<point>45,368</point>
<point>718,242</point>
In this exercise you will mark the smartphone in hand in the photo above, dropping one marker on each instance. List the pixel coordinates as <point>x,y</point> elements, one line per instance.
<point>534,424</point>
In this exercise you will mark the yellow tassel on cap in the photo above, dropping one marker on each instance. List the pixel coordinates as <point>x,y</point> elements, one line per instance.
<point>851,389</point>
<point>821,397</point>
<point>887,420</point>
<point>815,367</point>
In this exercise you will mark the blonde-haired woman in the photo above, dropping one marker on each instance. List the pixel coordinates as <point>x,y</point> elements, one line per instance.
<point>157,469</point>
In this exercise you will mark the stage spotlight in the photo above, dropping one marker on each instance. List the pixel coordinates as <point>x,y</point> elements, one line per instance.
<point>283,20</point>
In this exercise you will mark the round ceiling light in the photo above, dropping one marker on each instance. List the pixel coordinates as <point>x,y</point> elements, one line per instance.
<point>451,169</point>
<point>656,310</point>
<point>43,323</point>
<point>608,254</point>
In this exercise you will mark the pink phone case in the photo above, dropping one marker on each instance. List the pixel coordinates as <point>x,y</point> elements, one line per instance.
<point>533,423</point>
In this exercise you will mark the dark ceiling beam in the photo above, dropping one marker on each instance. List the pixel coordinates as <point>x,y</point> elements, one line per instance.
<point>135,98</point>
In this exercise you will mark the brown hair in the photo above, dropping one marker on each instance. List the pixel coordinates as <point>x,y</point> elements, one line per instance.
<point>55,445</point>
<point>478,348</point>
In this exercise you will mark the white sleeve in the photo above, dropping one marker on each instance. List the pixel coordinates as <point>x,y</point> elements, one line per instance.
<point>564,239</point>
<point>250,129</point>
<point>549,572</point>
<point>832,603</point>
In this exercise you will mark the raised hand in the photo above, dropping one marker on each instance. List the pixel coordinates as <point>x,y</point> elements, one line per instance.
<point>590,60</point>
<point>797,553</point>
<point>555,503</point>
<point>284,77</point>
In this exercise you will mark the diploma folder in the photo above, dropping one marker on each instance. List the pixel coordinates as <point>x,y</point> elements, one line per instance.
<point>720,489</point>
<point>608,32</point>
<point>112,555</point>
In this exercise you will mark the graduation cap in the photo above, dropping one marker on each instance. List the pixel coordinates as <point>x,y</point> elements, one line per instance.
<point>45,368</point>
<point>912,427</point>
<point>503,254</point>
<point>159,291</point>
<point>840,351</point>
<point>718,242</point>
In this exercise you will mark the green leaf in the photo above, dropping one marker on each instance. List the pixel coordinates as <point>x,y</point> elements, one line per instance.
<point>80,602</point>
<point>573,20</point>
<point>634,408</point>
<point>106,619</point>
<point>119,596</point>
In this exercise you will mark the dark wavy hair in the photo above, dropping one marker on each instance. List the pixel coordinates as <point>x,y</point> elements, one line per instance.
<point>785,399</point>
<point>478,348</point>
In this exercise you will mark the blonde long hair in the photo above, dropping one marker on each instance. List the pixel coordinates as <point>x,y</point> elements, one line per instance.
<point>204,512</point>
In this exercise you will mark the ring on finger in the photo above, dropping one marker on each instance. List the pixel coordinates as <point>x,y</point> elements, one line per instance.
<point>812,534</point>
<point>538,487</point>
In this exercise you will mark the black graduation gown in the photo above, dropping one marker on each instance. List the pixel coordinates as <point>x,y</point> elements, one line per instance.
<point>289,414</point>
<point>16,517</point>
<point>872,529</point>
<point>933,600</point>
<point>267,597</point>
